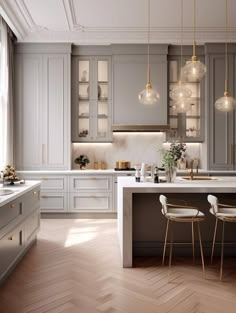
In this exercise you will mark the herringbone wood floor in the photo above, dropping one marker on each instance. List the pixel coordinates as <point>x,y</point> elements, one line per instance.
<point>75,268</point>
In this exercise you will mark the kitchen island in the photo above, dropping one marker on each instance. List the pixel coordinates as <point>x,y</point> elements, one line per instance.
<point>141,225</point>
<point>19,222</point>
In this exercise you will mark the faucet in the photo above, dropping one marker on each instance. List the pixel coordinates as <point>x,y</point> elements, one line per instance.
<point>191,172</point>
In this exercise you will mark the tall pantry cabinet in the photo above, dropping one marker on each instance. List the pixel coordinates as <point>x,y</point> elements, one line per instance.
<point>221,136</point>
<point>42,106</point>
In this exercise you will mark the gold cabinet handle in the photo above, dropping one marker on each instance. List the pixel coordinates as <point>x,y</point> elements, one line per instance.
<point>12,237</point>
<point>12,206</point>
<point>35,192</point>
<point>43,153</point>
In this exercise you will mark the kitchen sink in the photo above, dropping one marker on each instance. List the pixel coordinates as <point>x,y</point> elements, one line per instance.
<point>200,178</point>
<point>5,192</point>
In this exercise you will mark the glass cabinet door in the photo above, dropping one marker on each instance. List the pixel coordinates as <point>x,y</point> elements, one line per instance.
<point>84,99</point>
<point>102,125</point>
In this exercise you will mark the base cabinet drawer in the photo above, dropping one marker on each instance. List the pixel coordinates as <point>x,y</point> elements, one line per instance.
<point>49,182</point>
<point>90,202</point>
<point>10,212</point>
<point>90,183</point>
<point>31,225</point>
<point>53,202</point>
<point>10,247</point>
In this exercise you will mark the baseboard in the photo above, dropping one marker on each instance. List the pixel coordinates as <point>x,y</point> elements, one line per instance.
<point>154,248</point>
<point>111,215</point>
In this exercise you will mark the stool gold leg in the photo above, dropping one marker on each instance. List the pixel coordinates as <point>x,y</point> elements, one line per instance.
<point>193,242</point>
<point>214,239</point>
<point>200,242</point>
<point>164,251</point>
<point>222,250</point>
<point>171,245</point>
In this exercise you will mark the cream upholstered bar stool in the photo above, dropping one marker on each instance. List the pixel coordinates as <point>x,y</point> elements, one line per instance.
<point>224,213</point>
<point>181,213</point>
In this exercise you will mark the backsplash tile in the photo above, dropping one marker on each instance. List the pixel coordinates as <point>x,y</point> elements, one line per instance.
<point>133,147</point>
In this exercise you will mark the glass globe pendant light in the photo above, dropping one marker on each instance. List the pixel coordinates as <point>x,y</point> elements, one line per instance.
<point>226,103</point>
<point>183,105</point>
<point>181,91</point>
<point>194,70</point>
<point>148,95</point>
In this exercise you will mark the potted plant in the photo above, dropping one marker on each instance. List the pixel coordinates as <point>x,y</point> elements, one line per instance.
<point>170,158</point>
<point>82,160</point>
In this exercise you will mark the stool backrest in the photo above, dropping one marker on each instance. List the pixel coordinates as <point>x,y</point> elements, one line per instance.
<point>163,201</point>
<point>213,202</point>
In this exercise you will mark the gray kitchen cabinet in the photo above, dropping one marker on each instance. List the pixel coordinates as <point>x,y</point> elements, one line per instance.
<point>130,77</point>
<point>222,131</point>
<point>20,222</point>
<point>42,106</point>
<point>188,126</point>
<point>91,96</point>
<point>90,193</point>
<point>54,190</point>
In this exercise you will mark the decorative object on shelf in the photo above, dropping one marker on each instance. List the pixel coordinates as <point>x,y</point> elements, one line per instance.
<point>83,133</point>
<point>9,175</point>
<point>226,103</point>
<point>148,95</point>
<point>181,92</point>
<point>84,76</point>
<point>194,70</point>
<point>170,158</point>
<point>82,160</point>
<point>99,92</point>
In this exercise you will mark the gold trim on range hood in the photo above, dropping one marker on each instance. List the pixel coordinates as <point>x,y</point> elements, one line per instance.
<point>140,128</point>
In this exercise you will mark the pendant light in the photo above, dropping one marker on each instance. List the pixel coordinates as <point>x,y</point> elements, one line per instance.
<point>181,92</point>
<point>226,103</point>
<point>194,70</point>
<point>148,95</point>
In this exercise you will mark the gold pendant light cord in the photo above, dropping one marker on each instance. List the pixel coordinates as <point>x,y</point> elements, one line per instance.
<point>181,42</point>
<point>226,46</point>
<point>148,68</point>
<point>194,26</point>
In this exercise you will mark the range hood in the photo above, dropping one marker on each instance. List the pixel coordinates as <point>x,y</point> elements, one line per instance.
<point>139,128</point>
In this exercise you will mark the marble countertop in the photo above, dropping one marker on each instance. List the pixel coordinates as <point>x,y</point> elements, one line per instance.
<point>225,184</point>
<point>19,190</point>
<point>112,171</point>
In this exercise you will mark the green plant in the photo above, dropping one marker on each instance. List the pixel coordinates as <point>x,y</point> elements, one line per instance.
<point>173,154</point>
<point>82,160</point>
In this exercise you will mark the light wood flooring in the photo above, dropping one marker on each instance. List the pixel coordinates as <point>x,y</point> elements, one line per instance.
<point>75,267</point>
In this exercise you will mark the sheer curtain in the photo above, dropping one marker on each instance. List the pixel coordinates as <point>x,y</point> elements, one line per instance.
<point>6,95</point>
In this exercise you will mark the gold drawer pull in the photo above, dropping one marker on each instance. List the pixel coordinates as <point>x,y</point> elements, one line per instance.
<point>12,206</point>
<point>35,192</point>
<point>12,237</point>
<point>44,197</point>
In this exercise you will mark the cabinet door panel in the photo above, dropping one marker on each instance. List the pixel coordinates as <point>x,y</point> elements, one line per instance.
<point>55,112</point>
<point>129,78</point>
<point>91,183</point>
<point>221,124</point>
<point>10,246</point>
<point>53,202</point>
<point>90,202</point>
<point>28,90</point>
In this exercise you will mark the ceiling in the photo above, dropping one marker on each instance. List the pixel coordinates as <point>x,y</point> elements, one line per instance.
<point>117,21</point>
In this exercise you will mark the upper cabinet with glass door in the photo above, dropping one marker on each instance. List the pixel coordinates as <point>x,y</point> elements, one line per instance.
<point>91,99</point>
<point>186,126</point>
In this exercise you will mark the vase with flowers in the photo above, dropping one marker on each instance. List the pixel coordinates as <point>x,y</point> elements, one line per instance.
<point>170,158</point>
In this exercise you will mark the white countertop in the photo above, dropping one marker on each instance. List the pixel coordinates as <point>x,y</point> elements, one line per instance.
<point>112,171</point>
<point>19,190</point>
<point>223,184</point>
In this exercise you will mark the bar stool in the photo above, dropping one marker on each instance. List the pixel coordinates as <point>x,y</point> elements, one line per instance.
<point>224,213</point>
<point>181,213</point>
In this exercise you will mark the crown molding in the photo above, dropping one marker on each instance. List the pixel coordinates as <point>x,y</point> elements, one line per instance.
<point>7,10</point>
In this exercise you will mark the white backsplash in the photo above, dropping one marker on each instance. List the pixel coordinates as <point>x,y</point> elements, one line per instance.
<point>133,147</point>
